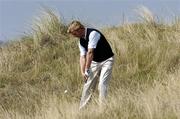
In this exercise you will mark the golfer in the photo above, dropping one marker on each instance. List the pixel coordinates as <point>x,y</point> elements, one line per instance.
<point>96,61</point>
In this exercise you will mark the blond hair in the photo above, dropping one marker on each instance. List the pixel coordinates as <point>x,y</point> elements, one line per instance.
<point>74,25</point>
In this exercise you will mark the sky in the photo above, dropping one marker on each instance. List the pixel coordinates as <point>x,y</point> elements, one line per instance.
<point>16,16</point>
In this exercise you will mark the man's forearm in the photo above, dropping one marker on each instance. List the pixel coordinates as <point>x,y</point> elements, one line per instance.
<point>82,63</point>
<point>89,58</point>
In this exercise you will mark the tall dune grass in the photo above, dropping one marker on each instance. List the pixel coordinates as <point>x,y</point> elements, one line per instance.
<point>36,70</point>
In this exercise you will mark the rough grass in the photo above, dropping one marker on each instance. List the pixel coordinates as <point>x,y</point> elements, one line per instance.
<point>36,70</point>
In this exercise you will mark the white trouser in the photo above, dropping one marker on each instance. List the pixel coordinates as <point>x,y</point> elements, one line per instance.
<point>105,70</point>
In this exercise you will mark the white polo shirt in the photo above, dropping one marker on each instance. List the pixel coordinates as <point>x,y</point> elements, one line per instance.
<point>94,37</point>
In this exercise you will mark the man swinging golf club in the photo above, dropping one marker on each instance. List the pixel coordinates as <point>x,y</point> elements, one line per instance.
<point>96,58</point>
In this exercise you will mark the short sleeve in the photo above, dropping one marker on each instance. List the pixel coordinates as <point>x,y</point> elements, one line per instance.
<point>93,39</point>
<point>82,50</point>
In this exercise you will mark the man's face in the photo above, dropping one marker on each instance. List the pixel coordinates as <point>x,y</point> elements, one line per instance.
<point>77,33</point>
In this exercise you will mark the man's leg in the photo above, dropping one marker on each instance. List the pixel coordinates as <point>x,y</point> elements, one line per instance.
<point>90,85</point>
<point>105,76</point>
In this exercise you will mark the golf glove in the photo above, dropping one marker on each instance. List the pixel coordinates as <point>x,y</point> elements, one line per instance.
<point>87,72</point>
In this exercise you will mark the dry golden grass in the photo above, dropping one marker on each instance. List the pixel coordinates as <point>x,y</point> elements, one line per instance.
<point>36,70</point>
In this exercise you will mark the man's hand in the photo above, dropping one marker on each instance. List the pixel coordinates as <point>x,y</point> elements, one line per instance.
<point>85,77</point>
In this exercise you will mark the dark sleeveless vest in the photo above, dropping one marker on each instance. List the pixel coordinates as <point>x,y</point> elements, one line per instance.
<point>102,51</point>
